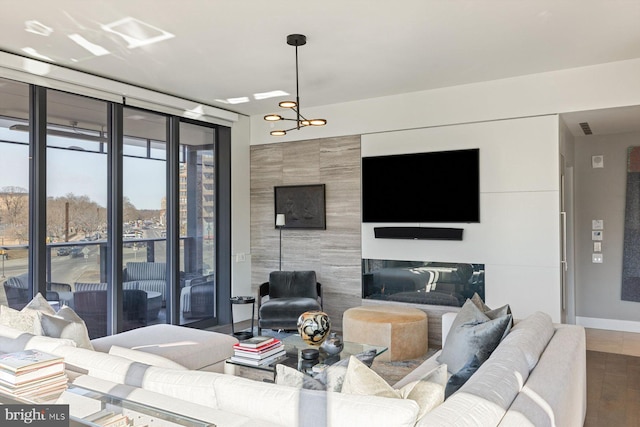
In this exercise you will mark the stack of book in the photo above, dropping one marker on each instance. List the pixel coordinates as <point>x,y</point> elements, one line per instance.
<point>32,374</point>
<point>258,351</point>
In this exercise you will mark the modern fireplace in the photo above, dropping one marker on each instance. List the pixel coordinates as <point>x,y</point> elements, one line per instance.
<point>421,282</point>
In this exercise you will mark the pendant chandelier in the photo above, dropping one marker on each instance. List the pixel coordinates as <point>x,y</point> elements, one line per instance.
<point>294,40</point>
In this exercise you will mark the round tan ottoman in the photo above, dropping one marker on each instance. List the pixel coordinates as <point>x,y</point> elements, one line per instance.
<point>404,330</point>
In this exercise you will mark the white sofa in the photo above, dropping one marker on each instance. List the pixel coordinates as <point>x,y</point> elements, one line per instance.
<point>533,378</point>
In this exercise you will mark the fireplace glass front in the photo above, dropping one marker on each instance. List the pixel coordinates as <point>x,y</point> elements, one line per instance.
<point>422,282</point>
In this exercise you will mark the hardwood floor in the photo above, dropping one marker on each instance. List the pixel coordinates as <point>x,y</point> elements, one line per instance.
<point>613,379</point>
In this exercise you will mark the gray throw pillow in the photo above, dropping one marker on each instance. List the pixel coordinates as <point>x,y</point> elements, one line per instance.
<point>491,314</point>
<point>458,379</point>
<point>472,333</point>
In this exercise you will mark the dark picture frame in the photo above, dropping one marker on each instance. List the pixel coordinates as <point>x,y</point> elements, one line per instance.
<point>302,205</point>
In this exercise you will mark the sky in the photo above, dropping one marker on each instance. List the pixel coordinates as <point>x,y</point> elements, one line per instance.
<point>84,173</point>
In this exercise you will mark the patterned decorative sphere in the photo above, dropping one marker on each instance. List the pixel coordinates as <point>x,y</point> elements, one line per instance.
<point>314,327</point>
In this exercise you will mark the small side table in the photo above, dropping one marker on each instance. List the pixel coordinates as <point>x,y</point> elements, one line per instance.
<point>243,335</point>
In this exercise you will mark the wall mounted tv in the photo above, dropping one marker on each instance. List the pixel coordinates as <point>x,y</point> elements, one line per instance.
<point>441,186</point>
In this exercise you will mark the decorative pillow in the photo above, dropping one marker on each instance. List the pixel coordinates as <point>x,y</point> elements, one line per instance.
<point>66,324</point>
<point>458,379</point>
<point>294,378</point>
<point>146,358</point>
<point>333,376</point>
<point>428,392</point>
<point>39,303</point>
<point>23,321</point>
<point>330,379</point>
<point>472,333</point>
<point>491,314</point>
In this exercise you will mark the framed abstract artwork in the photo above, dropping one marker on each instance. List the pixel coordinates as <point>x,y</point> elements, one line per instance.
<point>303,206</point>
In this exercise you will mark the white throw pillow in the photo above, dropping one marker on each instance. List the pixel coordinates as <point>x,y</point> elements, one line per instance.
<point>66,324</point>
<point>146,358</point>
<point>39,303</point>
<point>428,392</point>
<point>28,321</point>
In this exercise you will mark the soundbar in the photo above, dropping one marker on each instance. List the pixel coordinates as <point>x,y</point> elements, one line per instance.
<point>418,233</point>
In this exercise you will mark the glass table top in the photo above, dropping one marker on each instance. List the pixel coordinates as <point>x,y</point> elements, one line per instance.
<point>92,408</point>
<point>293,345</point>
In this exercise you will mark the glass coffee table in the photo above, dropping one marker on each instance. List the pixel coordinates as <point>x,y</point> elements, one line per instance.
<point>293,346</point>
<point>88,408</point>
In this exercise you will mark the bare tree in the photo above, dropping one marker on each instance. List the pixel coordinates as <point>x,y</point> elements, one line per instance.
<point>15,201</point>
<point>14,212</point>
<point>129,211</point>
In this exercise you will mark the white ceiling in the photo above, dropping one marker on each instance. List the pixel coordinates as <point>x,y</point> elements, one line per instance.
<point>356,48</point>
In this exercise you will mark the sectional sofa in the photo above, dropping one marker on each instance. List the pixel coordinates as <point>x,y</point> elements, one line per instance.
<point>535,377</point>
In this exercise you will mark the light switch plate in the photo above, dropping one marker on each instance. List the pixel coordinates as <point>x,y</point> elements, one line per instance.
<point>597,246</point>
<point>596,235</point>
<point>596,258</point>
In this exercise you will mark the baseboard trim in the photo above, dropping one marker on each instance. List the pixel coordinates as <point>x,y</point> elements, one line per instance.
<point>608,324</point>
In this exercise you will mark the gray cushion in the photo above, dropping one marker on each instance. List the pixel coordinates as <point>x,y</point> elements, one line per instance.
<point>472,333</point>
<point>531,335</point>
<point>146,271</point>
<point>90,286</point>
<point>292,284</point>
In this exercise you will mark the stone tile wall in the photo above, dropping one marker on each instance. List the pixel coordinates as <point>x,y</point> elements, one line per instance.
<point>335,253</point>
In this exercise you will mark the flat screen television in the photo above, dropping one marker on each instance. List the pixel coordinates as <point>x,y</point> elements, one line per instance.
<point>441,186</point>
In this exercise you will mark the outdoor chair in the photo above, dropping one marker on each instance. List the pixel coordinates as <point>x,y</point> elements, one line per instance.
<point>91,306</point>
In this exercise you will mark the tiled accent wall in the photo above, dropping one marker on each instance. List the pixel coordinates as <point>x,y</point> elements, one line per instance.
<point>334,253</point>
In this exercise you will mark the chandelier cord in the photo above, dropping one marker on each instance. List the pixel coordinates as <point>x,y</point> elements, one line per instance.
<point>297,91</point>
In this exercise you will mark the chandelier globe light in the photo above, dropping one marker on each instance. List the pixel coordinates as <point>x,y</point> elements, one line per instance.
<point>294,40</point>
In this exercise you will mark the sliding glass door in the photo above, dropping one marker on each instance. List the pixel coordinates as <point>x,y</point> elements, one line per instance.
<point>126,224</point>
<point>14,193</point>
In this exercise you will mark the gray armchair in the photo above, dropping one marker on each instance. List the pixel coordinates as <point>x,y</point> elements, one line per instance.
<point>285,297</point>
<point>146,276</point>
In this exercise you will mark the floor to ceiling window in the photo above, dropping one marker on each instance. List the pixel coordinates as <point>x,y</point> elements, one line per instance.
<point>144,252</point>
<point>14,189</point>
<point>197,222</point>
<point>66,187</point>
<point>76,187</point>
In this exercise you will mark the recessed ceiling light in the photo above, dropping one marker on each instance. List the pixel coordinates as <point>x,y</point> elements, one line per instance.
<point>31,51</point>
<point>95,49</point>
<point>272,94</point>
<point>136,32</point>
<point>38,28</point>
<point>240,100</point>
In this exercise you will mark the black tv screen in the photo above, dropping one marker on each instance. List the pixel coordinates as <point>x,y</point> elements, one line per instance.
<point>442,186</point>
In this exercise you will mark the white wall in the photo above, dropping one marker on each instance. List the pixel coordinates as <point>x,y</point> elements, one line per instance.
<point>608,85</point>
<point>518,234</point>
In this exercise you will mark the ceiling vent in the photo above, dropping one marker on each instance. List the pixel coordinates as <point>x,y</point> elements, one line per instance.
<point>585,128</point>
